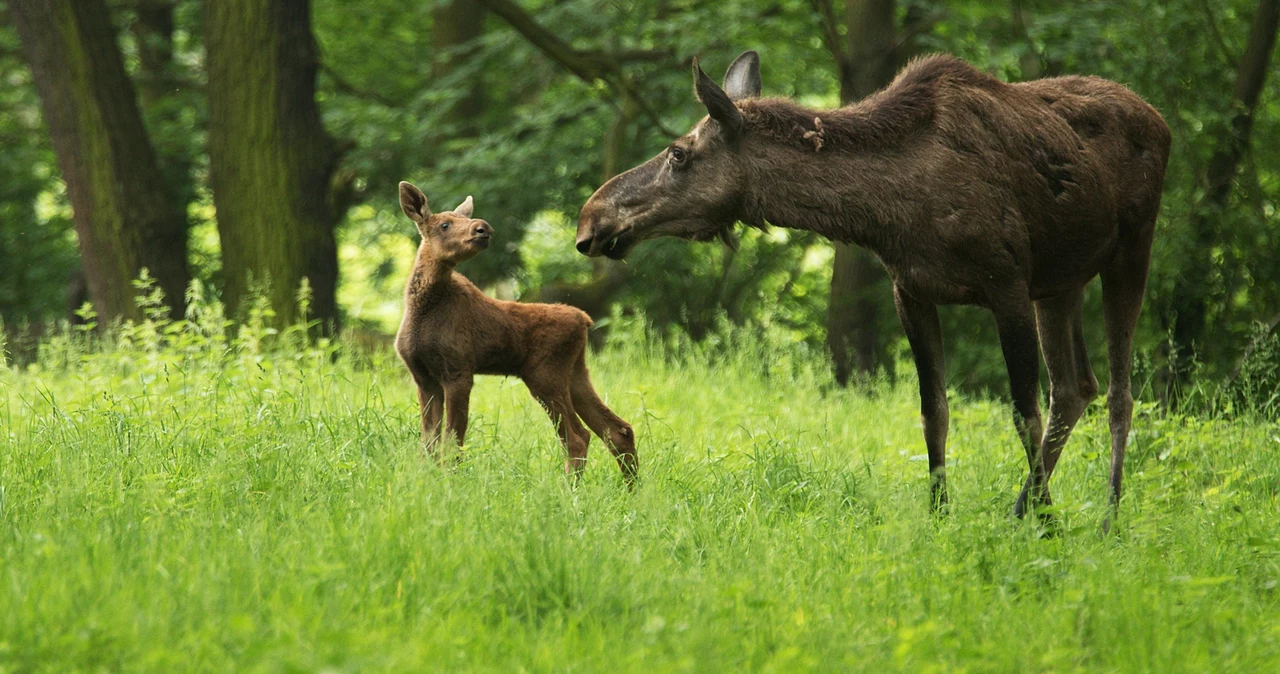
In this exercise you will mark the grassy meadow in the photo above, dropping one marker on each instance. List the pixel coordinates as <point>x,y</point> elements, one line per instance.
<point>182,501</point>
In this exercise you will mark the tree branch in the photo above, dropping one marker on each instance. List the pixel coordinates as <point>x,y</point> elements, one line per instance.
<point>627,90</point>
<point>917,27</point>
<point>1217,35</point>
<point>588,65</point>
<point>579,63</point>
<point>346,87</point>
<point>830,29</point>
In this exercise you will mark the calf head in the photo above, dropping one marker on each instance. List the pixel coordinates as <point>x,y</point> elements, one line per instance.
<point>450,236</point>
<point>693,189</point>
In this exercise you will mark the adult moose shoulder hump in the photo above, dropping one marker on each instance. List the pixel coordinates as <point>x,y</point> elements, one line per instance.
<point>970,190</point>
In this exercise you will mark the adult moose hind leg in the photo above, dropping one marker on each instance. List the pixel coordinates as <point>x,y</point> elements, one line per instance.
<point>1071,386</point>
<point>616,433</point>
<point>1016,323</point>
<point>1124,281</point>
<point>924,333</point>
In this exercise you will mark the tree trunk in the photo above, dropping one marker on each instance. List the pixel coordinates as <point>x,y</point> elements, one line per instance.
<point>454,25</point>
<point>1190,305</point>
<point>125,216</point>
<point>270,159</point>
<point>859,285</point>
<point>163,107</point>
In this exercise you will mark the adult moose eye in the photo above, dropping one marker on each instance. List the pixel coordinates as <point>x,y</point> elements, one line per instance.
<point>678,156</point>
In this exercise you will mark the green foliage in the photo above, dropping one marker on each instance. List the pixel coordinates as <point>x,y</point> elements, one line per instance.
<point>178,498</point>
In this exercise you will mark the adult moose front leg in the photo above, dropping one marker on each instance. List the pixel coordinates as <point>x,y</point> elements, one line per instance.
<point>924,333</point>
<point>1071,384</point>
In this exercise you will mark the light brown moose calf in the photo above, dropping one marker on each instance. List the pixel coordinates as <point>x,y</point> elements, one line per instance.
<point>451,332</point>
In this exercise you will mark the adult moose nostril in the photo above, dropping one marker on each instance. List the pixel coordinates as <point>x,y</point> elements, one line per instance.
<point>584,245</point>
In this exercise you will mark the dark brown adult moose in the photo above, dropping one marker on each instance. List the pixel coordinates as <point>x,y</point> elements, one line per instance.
<point>451,332</point>
<point>970,191</point>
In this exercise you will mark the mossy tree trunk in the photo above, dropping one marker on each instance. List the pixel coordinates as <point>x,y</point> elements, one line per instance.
<point>126,217</point>
<point>455,25</point>
<point>271,161</point>
<point>1190,308</point>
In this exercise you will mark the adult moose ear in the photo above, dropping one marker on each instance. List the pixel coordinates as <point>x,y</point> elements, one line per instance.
<point>464,209</point>
<point>719,105</point>
<point>414,203</point>
<point>742,79</point>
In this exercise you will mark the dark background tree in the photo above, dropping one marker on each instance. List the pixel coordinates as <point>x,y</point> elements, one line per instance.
<point>867,55</point>
<point>271,161</point>
<point>1195,290</point>
<point>126,216</point>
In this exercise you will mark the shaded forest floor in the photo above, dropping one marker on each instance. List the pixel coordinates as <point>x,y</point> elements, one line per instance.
<point>201,509</point>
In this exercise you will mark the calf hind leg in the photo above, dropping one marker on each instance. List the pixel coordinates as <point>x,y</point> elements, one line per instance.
<point>555,399</point>
<point>616,433</point>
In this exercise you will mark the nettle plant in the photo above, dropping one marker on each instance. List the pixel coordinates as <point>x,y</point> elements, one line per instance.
<point>158,343</point>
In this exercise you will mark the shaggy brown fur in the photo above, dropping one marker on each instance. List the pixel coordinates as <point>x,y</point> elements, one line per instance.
<point>451,331</point>
<point>970,190</point>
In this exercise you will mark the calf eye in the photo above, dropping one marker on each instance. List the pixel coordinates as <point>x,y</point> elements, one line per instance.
<point>444,226</point>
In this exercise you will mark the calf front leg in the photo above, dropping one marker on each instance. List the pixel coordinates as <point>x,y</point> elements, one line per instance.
<point>924,333</point>
<point>457,397</point>
<point>431,402</point>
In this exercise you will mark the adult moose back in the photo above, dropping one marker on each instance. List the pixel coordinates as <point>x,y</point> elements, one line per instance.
<point>970,191</point>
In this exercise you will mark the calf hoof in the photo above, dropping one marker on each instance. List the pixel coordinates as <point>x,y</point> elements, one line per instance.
<point>938,499</point>
<point>1050,525</point>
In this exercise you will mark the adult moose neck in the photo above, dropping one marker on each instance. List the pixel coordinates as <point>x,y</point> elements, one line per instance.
<point>849,174</point>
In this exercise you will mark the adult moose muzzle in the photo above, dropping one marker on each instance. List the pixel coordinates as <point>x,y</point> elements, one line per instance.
<point>970,190</point>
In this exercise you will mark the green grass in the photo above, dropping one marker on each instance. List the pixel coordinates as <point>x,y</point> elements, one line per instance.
<point>189,508</point>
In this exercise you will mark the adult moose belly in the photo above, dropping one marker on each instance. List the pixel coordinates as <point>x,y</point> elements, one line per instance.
<point>1070,251</point>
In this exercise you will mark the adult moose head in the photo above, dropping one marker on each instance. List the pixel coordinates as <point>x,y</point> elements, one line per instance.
<point>693,189</point>
<point>970,191</point>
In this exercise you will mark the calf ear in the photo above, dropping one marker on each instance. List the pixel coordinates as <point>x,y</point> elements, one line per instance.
<point>464,209</point>
<point>742,79</point>
<point>719,106</point>
<point>414,203</point>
